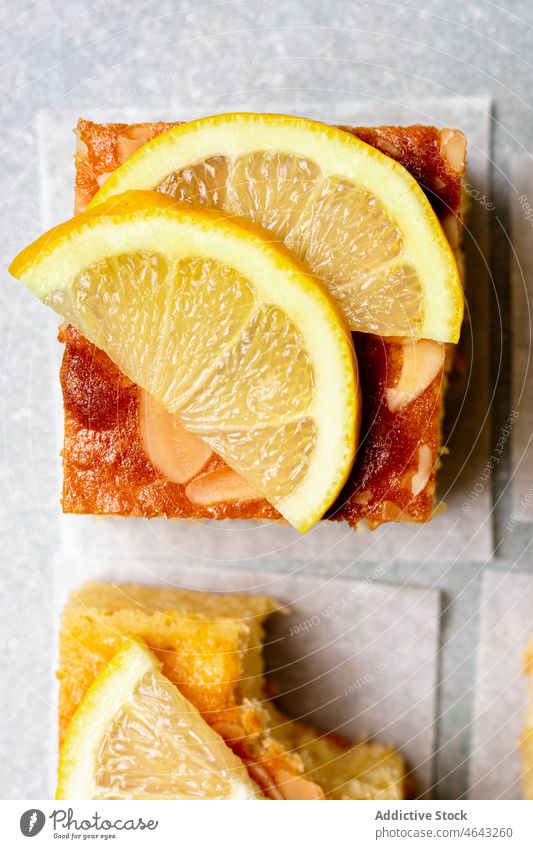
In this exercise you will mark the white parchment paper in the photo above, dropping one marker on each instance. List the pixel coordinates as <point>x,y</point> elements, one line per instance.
<point>464,531</point>
<point>501,687</point>
<point>521,203</point>
<point>356,657</point>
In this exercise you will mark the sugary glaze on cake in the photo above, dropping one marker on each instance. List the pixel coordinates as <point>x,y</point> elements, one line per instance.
<point>107,467</point>
<point>210,647</point>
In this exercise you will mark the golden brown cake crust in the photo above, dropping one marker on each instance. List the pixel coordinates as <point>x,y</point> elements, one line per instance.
<point>105,467</point>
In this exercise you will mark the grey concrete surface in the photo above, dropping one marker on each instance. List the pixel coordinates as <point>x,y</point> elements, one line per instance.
<point>86,55</point>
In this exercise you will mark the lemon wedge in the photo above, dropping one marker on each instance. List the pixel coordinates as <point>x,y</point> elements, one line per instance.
<point>224,329</point>
<point>135,736</point>
<point>356,217</point>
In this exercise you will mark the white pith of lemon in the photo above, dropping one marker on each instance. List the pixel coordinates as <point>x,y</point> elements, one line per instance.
<point>224,329</point>
<point>356,217</point>
<point>135,736</point>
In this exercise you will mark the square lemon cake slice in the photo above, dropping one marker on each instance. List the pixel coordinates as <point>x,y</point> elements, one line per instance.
<point>124,455</point>
<point>210,647</point>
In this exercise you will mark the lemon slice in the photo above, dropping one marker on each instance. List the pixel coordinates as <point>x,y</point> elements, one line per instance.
<point>355,216</point>
<point>225,330</point>
<point>135,736</point>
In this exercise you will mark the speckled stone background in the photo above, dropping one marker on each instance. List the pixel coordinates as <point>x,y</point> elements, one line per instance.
<point>79,55</point>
